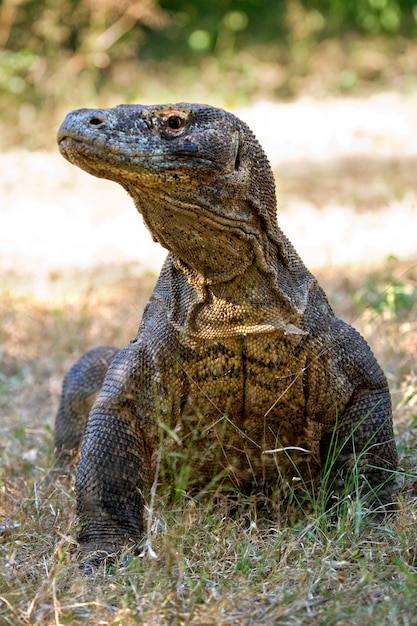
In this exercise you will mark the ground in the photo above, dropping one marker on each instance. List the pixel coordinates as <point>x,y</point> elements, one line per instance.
<point>77,267</point>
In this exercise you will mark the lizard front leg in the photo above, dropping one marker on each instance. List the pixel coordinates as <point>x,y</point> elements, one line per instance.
<point>114,471</point>
<point>366,453</point>
<point>80,388</point>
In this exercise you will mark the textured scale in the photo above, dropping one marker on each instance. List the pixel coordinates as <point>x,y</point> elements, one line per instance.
<point>240,374</point>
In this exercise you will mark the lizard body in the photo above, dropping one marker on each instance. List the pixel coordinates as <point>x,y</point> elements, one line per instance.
<point>238,353</point>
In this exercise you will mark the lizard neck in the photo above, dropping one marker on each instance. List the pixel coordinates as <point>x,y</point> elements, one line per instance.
<point>245,275</point>
<point>246,305</point>
<point>250,303</point>
<point>208,241</point>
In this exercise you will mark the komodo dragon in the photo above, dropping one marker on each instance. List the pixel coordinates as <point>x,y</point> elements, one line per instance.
<point>238,353</point>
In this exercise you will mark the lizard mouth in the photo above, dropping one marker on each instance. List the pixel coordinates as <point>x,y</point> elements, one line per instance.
<point>99,154</point>
<point>68,146</point>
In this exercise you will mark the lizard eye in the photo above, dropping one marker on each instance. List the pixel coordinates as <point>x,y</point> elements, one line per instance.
<point>173,120</point>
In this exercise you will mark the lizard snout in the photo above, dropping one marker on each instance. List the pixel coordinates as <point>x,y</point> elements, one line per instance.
<point>78,121</point>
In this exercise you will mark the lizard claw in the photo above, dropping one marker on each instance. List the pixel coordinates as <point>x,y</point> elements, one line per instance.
<point>94,560</point>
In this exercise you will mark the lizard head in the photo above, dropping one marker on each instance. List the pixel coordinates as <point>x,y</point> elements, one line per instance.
<point>196,173</point>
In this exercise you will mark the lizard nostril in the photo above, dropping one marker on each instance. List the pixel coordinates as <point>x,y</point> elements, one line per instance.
<point>96,121</point>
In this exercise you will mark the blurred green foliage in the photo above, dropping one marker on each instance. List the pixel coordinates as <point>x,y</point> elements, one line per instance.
<point>54,52</point>
<point>390,300</point>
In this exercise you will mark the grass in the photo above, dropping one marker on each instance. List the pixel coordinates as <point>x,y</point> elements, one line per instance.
<point>205,562</point>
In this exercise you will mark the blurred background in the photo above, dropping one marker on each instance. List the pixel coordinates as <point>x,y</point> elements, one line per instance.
<point>329,87</point>
<point>57,54</point>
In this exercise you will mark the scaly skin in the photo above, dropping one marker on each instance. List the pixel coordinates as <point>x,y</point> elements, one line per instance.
<point>81,385</point>
<point>238,352</point>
